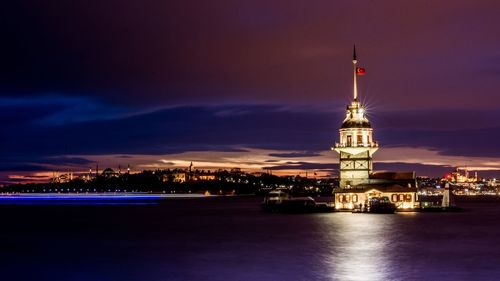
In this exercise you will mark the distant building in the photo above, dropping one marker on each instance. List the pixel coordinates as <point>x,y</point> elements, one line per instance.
<point>205,177</point>
<point>63,178</point>
<point>175,176</point>
<point>189,175</point>
<point>110,173</point>
<point>457,177</point>
<point>179,177</point>
<point>357,181</point>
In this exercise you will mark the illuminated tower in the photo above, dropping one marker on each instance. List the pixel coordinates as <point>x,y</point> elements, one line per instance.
<point>356,145</point>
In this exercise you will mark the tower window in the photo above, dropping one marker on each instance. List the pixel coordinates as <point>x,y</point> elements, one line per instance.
<point>360,140</point>
<point>349,140</point>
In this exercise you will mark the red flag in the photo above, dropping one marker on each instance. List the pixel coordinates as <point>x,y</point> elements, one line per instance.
<point>360,71</point>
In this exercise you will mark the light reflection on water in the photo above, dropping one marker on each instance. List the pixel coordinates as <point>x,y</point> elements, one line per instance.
<point>357,247</point>
<point>219,239</point>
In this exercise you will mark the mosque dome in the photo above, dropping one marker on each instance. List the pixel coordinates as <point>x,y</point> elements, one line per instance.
<point>108,171</point>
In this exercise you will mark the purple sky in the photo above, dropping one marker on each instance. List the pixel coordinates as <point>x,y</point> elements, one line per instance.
<point>254,84</point>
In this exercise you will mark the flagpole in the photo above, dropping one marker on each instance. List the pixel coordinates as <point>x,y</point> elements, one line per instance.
<point>354,61</point>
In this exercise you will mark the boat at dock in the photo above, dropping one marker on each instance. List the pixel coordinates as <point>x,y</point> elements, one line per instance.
<point>377,205</point>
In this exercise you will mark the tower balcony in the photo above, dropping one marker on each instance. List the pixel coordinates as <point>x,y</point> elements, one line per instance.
<point>367,145</point>
<point>356,149</point>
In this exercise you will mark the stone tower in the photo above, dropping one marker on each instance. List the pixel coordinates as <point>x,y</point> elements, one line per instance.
<point>356,145</point>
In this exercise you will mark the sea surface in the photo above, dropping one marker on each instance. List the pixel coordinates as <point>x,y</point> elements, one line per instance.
<point>229,238</point>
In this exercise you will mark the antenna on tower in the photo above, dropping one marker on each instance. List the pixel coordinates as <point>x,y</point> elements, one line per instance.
<point>354,61</point>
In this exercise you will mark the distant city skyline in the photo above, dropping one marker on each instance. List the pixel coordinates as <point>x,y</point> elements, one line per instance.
<point>255,85</point>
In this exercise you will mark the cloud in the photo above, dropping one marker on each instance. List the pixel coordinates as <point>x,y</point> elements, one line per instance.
<point>306,166</point>
<point>172,77</point>
<point>423,160</point>
<point>231,112</point>
<point>324,163</point>
<point>24,167</point>
<point>64,160</point>
<point>265,136</point>
<point>168,163</point>
<point>294,154</point>
<point>53,110</point>
<point>288,52</point>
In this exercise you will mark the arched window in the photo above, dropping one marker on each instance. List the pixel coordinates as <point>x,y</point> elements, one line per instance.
<point>344,198</point>
<point>394,198</point>
<point>401,197</point>
<point>355,198</point>
<point>408,198</point>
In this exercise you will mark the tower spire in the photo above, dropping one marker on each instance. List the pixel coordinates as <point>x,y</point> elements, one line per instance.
<point>356,145</point>
<point>354,61</point>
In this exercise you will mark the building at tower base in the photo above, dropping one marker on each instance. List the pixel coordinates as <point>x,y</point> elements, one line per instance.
<point>399,187</point>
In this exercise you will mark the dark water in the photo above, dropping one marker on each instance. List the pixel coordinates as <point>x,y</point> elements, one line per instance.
<point>231,239</point>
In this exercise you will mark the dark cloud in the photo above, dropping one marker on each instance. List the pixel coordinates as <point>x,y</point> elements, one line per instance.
<point>332,169</point>
<point>426,170</point>
<point>13,167</point>
<point>153,77</point>
<point>305,166</point>
<point>171,130</point>
<point>62,160</point>
<point>420,54</point>
<point>294,154</point>
<point>191,128</point>
<point>420,169</point>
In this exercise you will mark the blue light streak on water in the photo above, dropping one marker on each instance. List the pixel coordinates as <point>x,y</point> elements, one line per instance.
<point>73,203</point>
<point>90,199</point>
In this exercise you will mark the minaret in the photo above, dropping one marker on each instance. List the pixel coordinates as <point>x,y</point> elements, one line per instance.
<point>356,145</point>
